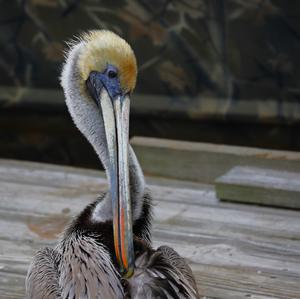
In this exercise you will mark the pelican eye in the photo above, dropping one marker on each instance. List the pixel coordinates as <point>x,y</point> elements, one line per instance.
<point>112,74</point>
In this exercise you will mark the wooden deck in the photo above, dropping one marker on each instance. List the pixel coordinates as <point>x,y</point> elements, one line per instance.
<point>235,250</point>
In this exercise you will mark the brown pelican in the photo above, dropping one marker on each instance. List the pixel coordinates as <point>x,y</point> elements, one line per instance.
<point>106,250</point>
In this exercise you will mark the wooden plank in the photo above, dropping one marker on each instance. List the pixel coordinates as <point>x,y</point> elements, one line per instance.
<point>22,237</point>
<point>211,276</point>
<point>230,283</point>
<point>236,251</point>
<point>214,281</point>
<point>203,162</point>
<point>43,200</point>
<point>36,230</point>
<point>48,174</point>
<point>72,197</point>
<point>56,175</point>
<point>183,224</point>
<point>260,186</point>
<point>198,108</point>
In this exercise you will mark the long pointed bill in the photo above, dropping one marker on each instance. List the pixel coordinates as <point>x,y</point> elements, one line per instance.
<point>116,122</point>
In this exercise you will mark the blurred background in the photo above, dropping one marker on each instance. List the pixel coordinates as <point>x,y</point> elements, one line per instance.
<point>218,71</point>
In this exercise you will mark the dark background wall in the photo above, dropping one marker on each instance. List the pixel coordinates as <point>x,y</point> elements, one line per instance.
<point>224,71</point>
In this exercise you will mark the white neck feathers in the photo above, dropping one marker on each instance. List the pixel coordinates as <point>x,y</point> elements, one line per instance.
<point>88,120</point>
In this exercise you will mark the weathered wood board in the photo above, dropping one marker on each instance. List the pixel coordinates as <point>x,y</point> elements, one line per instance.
<point>208,107</point>
<point>204,162</point>
<point>236,251</point>
<point>260,186</point>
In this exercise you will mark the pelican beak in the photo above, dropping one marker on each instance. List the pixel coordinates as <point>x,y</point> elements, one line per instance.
<point>115,112</point>
<point>114,107</point>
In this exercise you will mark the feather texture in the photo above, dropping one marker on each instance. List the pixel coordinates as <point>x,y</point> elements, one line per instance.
<point>83,265</point>
<point>43,275</point>
<point>160,273</point>
<point>86,270</point>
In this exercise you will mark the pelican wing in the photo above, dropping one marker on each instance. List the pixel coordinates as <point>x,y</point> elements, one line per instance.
<point>86,270</point>
<point>42,277</point>
<point>181,266</point>
<point>161,274</point>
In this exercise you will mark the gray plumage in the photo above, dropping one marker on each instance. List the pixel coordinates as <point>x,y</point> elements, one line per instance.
<point>83,265</point>
<point>81,268</point>
<point>74,272</point>
<point>160,273</point>
<point>42,278</point>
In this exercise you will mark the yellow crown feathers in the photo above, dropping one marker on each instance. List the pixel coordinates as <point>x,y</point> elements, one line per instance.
<point>104,47</point>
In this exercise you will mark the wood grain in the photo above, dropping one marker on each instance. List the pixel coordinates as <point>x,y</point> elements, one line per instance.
<point>207,107</point>
<point>260,186</point>
<point>235,250</point>
<point>204,162</point>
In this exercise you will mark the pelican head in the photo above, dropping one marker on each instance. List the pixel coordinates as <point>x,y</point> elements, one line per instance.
<point>98,77</point>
